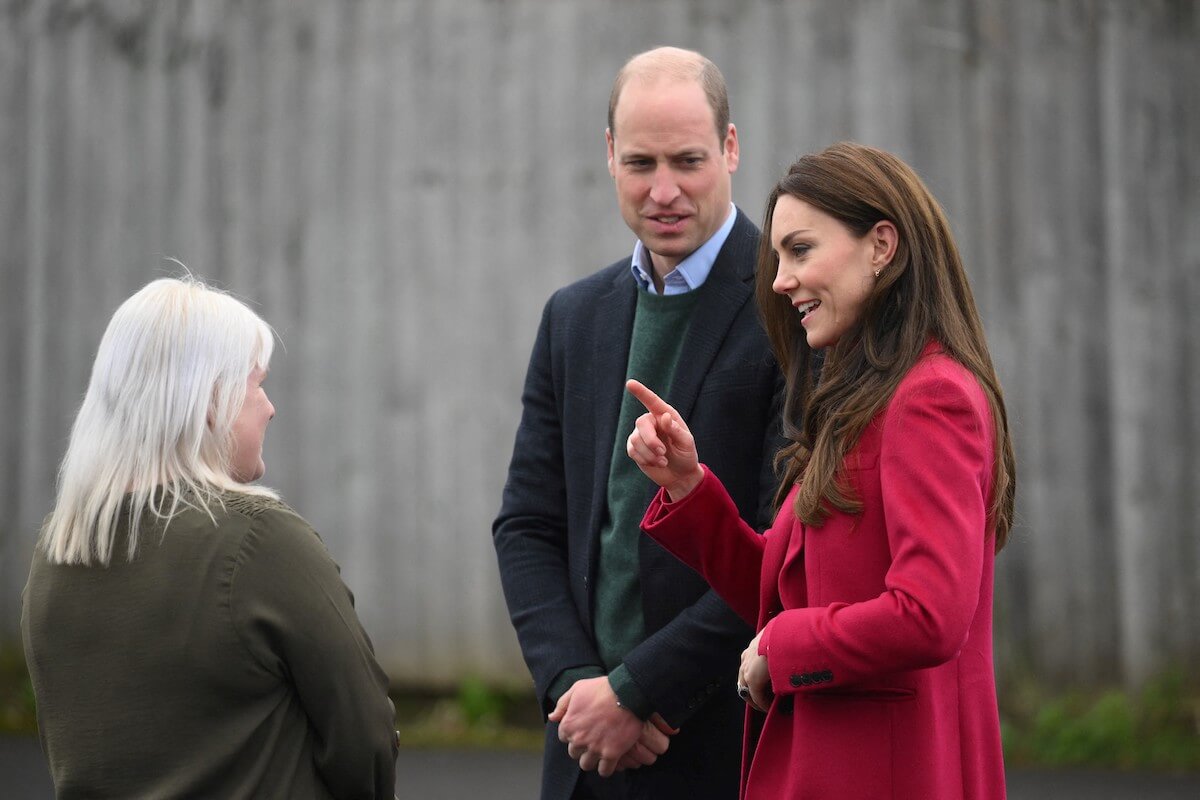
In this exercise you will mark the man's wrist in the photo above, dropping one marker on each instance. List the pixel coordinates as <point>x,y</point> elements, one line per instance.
<point>568,678</point>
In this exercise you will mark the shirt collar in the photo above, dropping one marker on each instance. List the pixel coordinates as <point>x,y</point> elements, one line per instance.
<point>692,272</point>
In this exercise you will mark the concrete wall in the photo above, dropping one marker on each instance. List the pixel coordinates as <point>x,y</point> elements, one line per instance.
<point>399,186</point>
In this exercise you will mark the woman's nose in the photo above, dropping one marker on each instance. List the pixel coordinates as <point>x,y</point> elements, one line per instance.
<point>783,283</point>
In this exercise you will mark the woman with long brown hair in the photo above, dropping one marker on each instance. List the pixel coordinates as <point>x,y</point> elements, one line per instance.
<point>871,674</point>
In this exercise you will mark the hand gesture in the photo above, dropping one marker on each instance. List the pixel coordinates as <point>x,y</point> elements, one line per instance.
<point>662,446</point>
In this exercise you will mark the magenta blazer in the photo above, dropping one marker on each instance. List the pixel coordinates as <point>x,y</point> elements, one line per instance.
<point>878,627</point>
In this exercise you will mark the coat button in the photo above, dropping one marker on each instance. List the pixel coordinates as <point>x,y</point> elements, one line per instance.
<point>795,680</point>
<point>827,675</point>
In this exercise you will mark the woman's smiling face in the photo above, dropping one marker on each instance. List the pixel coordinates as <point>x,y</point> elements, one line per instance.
<point>824,269</point>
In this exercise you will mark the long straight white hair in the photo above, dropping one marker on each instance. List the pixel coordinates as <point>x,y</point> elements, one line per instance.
<point>155,427</point>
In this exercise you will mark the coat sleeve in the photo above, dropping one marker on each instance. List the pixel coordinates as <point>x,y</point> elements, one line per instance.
<point>530,533</point>
<point>297,619</point>
<point>935,473</point>
<point>704,531</point>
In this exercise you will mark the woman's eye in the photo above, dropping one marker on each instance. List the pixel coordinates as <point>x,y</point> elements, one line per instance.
<point>800,250</point>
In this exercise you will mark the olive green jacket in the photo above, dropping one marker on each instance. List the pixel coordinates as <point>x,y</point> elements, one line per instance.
<point>223,661</point>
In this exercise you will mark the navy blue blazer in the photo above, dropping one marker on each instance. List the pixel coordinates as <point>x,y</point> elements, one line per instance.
<point>728,387</point>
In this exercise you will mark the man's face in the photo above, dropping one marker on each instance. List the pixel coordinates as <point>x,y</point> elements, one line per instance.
<point>673,179</point>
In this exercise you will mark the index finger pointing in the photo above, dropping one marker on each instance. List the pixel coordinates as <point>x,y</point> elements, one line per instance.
<point>653,403</point>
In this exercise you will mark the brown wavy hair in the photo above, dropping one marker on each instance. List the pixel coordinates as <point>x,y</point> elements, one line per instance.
<point>923,293</point>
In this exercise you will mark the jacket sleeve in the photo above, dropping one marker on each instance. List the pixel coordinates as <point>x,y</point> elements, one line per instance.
<point>530,533</point>
<point>296,617</point>
<point>935,472</point>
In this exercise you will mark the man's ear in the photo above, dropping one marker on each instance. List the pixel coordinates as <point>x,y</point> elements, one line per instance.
<point>732,150</point>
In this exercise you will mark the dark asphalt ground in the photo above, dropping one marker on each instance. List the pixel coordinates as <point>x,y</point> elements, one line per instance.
<point>504,775</point>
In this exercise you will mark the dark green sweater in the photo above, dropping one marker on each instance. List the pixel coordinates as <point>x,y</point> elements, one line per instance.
<point>659,327</point>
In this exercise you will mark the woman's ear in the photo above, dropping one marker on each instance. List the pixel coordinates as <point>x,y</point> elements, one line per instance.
<point>884,238</point>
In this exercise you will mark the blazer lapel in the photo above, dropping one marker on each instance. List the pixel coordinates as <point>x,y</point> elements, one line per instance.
<point>729,287</point>
<point>612,330</point>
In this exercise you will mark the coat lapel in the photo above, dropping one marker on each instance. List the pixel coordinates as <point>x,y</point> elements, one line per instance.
<point>778,541</point>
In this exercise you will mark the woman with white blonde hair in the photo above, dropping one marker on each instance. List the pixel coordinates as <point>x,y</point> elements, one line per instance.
<point>187,633</point>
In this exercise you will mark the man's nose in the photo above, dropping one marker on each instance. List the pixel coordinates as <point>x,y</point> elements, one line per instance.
<point>664,188</point>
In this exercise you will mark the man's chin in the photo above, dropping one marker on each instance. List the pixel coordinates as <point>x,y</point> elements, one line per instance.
<point>670,248</point>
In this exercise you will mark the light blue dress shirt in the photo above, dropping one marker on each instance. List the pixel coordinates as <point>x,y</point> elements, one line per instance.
<point>690,273</point>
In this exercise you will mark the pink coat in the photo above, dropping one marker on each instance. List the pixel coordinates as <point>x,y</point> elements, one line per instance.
<point>877,627</point>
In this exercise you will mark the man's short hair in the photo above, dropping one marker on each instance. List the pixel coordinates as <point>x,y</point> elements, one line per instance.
<point>674,63</point>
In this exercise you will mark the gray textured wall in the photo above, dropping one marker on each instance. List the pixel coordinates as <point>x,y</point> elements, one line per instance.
<point>398,186</point>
